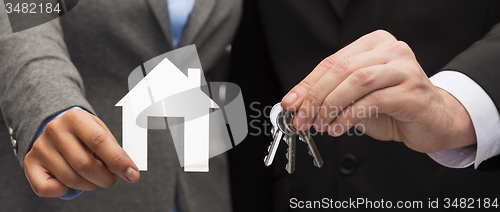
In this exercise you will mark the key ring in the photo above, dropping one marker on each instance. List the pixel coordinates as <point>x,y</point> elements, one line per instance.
<point>284,121</point>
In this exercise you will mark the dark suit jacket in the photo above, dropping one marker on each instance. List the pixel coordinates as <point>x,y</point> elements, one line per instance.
<point>297,35</point>
<point>84,58</point>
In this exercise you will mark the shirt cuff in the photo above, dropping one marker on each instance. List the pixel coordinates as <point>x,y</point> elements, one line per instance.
<point>484,116</point>
<point>72,193</point>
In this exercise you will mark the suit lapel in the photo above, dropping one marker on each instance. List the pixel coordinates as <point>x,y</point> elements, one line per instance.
<point>339,7</point>
<point>160,10</point>
<point>201,11</point>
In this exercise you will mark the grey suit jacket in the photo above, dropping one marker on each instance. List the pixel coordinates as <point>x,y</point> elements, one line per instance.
<point>84,59</point>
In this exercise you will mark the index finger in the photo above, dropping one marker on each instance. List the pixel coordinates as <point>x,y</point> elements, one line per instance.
<point>295,97</point>
<point>95,135</point>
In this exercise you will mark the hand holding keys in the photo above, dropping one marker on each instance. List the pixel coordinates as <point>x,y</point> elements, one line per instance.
<point>282,121</point>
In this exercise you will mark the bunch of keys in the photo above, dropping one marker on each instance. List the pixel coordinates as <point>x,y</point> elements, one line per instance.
<point>282,127</point>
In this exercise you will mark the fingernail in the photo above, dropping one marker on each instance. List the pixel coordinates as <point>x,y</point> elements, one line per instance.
<point>290,98</point>
<point>332,129</point>
<point>300,120</point>
<point>131,174</point>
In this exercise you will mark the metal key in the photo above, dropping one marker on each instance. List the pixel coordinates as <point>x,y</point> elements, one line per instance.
<point>282,128</point>
<point>277,135</point>
<point>290,153</point>
<point>305,136</point>
<point>283,121</point>
<point>273,147</point>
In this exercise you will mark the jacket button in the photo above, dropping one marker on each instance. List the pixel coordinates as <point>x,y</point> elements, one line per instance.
<point>228,48</point>
<point>348,164</point>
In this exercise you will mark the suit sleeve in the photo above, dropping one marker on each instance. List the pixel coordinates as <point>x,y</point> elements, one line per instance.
<point>481,63</point>
<point>37,79</point>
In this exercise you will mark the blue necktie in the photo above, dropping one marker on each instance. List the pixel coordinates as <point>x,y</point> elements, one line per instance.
<point>179,11</point>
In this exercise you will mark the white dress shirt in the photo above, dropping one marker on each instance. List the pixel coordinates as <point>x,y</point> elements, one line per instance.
<point>484,116</point>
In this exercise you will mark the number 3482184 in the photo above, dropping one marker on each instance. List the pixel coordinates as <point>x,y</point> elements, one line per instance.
<point>32,8</point>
